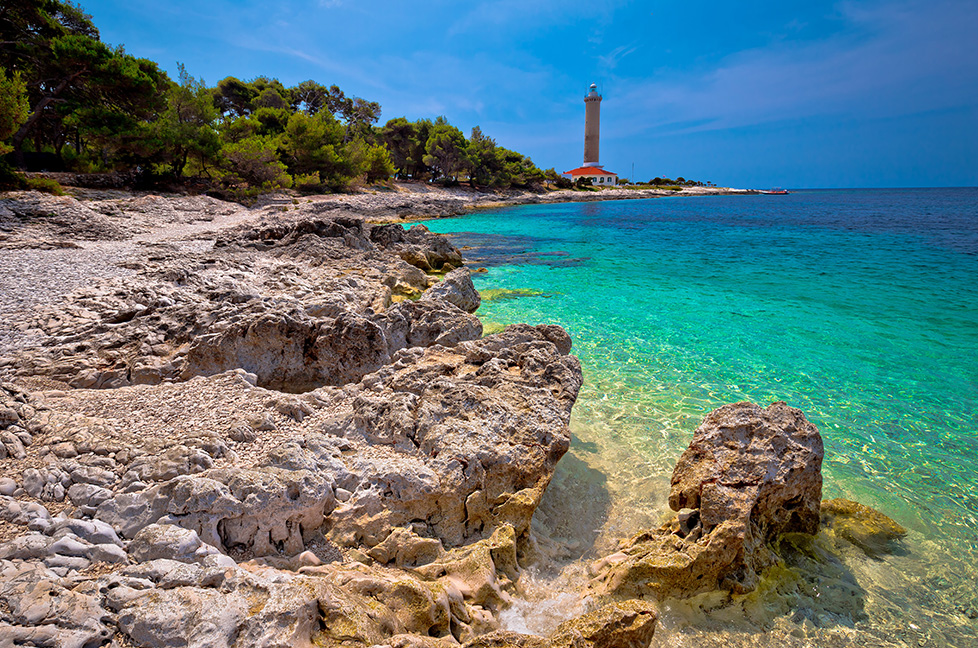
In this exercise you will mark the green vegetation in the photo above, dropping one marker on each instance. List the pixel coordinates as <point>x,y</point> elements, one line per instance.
<point>666,184</point>
<point>70,102</point>
<point>663,187</point>
<point>13,107</point>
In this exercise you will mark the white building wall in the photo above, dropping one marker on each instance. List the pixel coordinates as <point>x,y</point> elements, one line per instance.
<point>598,180</point>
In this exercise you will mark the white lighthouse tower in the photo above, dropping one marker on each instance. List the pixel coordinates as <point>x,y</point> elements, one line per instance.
<point>592,126</point>
<point>592,136</point>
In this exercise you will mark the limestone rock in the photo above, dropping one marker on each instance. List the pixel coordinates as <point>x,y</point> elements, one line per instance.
<point>429,322</point>
<point>417,246</point>
<point>404,548</point>
<point>46,610</point>
<point>184,616</point>
<point>456,288</point>
<point>26,547</point>
<point>88,495</point>
<point>293,354</point>
<point>19,512</point>
<point>92,531</point>
<point>748,476</point>
<point>254,510</point>
<point>508,639</point>
<point>298,303</point>
<point>169,542</point>
<point>627,624</point>
<point>11,445</point>
<point>46,484</point>
<point>504,400</point>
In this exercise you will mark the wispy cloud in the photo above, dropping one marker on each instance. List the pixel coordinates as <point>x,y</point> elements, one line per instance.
<point>895,59</point>
<point>531,15</point>
<point>467,87</point>
<point>612,58</point>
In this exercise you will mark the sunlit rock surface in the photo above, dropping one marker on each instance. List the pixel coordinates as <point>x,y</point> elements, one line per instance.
<point>748,476</point>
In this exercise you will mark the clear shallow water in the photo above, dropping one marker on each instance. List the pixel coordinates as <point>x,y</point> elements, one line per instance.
<point>860,307</point>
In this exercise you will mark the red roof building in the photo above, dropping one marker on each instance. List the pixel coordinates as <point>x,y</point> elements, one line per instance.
<point>598,175</point>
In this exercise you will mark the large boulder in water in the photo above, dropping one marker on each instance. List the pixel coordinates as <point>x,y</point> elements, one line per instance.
<point>748,476</point>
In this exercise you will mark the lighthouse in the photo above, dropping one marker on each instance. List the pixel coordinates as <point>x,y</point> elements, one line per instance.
<point>592,135</point>
<point>592,126</point>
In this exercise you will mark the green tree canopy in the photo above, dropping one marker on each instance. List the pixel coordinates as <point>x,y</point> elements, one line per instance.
<point>186,131</point>
<point>445,150</point>
<point>309,97</point>
<point>485,160</point>
<point>13,107</point>
<point>313,145</point>
<point>74,81</point>
<point>233,97</point>
<point>401,138</point>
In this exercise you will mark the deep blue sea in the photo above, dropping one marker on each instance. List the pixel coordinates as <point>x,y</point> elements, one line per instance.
<point>860,307</point>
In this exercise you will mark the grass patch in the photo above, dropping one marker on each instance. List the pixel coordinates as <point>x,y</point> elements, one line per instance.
<point>10,180</point>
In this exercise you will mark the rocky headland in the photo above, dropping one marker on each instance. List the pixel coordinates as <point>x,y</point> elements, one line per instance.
<point>282,426</point>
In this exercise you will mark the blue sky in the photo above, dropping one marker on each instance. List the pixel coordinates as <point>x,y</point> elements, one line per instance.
<point>795,94</point>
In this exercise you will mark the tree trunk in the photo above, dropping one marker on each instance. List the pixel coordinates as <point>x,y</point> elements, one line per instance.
<point>18,139</point>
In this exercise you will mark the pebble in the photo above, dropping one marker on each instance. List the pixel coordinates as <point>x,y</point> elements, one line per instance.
<point>108,553</point>
<point>69,545</point>
<point>66,562</point>
<point>7,486</point>
<point>88,495</point>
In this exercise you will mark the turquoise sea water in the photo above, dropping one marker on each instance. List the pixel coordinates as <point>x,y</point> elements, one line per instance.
<point>860,307</point>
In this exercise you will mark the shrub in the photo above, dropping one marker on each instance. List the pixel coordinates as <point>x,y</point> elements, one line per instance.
<point>309,183</point>
<point>47,185</point>
<point>254,160</point>
<point>12,180</point>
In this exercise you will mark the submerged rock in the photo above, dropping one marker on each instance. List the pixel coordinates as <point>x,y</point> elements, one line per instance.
<point>874,533</point>
<point>748,476</point>
<point>505,294</point>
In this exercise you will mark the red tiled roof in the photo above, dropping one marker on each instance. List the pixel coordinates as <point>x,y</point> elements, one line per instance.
<point>586,171</point>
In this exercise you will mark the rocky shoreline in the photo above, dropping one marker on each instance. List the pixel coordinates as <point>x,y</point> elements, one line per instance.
<point>282,426</point>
